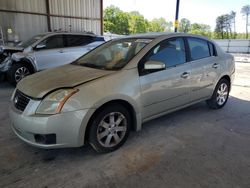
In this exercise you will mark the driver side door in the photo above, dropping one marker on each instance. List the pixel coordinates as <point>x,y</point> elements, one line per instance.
<point>52,54</point>
<point>167,89</point>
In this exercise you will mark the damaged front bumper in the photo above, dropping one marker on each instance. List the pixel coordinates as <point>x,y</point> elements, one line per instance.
<point>5,64</point>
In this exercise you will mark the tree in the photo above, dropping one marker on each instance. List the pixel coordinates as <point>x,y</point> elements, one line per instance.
<point>137,23</point>
<point>116,21</point>
<point>224,25</point>
<point>158,25</point>
<point>200,29</point>
<point>169,26</point>
<point>245,10</point>
<point>185,25</point>
<point>233,15</point>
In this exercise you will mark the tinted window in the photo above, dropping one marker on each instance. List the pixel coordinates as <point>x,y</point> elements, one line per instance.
<point>212,49</point>
<point>55,41</point>
<point>171,52</point>
<point>198,48</point>
<point>78,40</point>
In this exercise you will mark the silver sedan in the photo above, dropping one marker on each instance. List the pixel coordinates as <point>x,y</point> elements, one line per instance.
<point>113,89</point>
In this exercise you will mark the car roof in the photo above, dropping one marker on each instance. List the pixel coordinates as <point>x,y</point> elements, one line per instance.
<point>162,34</point>
<point>71,33</point>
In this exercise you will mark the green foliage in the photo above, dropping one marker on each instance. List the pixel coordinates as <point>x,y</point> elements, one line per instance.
<point>224,26</point>
<point>245,10</point>
<point>158,25</point>
<point>116,21</point>
<point>119,22</point>
<point>185,25</point>
<point>137,23</point>
<point>201,29</point>
<point>124,23</point>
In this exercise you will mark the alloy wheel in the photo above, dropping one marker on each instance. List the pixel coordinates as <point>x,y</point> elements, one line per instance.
<point>21,73</point>
<point>111,129</point>
<point>222,94</point>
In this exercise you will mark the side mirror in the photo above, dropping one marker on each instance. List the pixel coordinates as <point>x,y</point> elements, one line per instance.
<point>40,46</point>
<point>154,65</point>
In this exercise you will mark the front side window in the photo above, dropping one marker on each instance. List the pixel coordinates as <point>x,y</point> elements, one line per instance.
<point>31,41</point>
<point>198,48</point>
<point>113,55</point>
<point>52,42</point>
<point>171,52</point>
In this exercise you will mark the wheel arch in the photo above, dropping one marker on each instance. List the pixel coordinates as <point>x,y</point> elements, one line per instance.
<point>135,125</point>
<point>227,77</point>
<point>27,62</point>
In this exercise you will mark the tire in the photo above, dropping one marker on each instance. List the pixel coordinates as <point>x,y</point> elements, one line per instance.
<point>17,72</point>
<point>219,97</point>
<point>109,129</point>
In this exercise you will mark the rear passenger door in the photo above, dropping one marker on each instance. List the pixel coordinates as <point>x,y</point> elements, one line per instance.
<point>205,68</point>
<point>76,46</point>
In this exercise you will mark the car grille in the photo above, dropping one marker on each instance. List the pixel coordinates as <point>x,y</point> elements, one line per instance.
<point>20,101</point>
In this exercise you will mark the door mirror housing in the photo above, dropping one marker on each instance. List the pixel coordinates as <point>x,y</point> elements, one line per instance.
<point>40,46</point>
<point>154,65</point>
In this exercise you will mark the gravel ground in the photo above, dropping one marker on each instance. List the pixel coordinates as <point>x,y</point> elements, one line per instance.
<point>194,147</point>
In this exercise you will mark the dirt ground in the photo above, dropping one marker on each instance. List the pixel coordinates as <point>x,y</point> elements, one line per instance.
<point>194,147</point>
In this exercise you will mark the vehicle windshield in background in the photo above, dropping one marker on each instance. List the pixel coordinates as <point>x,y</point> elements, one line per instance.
<point>29,42</point>
<point>114,54</point>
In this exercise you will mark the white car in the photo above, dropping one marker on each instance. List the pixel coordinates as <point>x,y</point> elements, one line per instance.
<point>46,51</point>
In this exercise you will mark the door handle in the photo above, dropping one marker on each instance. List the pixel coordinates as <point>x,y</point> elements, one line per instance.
<point>185,74</point>
<point>61,51</point>
<point>215,65</point>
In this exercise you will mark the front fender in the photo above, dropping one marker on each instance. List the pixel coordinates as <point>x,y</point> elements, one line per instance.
<point>25,57</point>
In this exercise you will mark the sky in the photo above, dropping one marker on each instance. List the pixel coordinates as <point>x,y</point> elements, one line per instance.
<point>199,11</point>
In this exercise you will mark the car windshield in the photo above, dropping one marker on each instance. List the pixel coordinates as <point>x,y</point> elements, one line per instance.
<point>113,55</point>
<point>31,41</point>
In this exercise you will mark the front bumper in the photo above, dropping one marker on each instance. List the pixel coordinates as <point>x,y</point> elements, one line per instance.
<point>6,64</point>
<point>68,127</point>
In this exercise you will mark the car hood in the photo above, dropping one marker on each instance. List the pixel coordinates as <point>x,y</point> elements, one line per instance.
<point>10,48</point>
<point>41,83</point>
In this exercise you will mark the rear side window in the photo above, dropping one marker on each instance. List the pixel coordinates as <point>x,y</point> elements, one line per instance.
<point>171,52</point>
<point>198,48</point>
<point>77,40</point>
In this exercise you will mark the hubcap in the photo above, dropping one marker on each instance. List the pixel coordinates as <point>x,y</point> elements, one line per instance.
<point>21,73</point>
<point>222,94</point>
<point>112,129</point>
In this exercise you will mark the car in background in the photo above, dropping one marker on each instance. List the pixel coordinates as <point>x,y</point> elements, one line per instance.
<point>45,51</point>
<point>113,89</point>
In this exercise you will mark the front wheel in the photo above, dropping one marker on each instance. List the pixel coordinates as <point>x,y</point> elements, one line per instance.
<point>110,128</point>
<point>220,95</point>
<point>17,72</point>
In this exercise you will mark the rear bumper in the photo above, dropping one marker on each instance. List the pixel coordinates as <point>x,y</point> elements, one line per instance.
<point>68,129</point>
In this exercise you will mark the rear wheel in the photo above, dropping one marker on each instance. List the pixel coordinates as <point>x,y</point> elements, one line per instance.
<point>18,72</point>
<point>220,95</point>
<point>110,128</point>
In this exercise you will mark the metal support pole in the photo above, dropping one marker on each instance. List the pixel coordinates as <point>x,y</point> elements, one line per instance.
<point>176,24</point>
<point>48,15</point>
<point>101,19</point>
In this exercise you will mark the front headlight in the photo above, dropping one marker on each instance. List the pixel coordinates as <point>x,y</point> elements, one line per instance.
<point>53,103</point>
